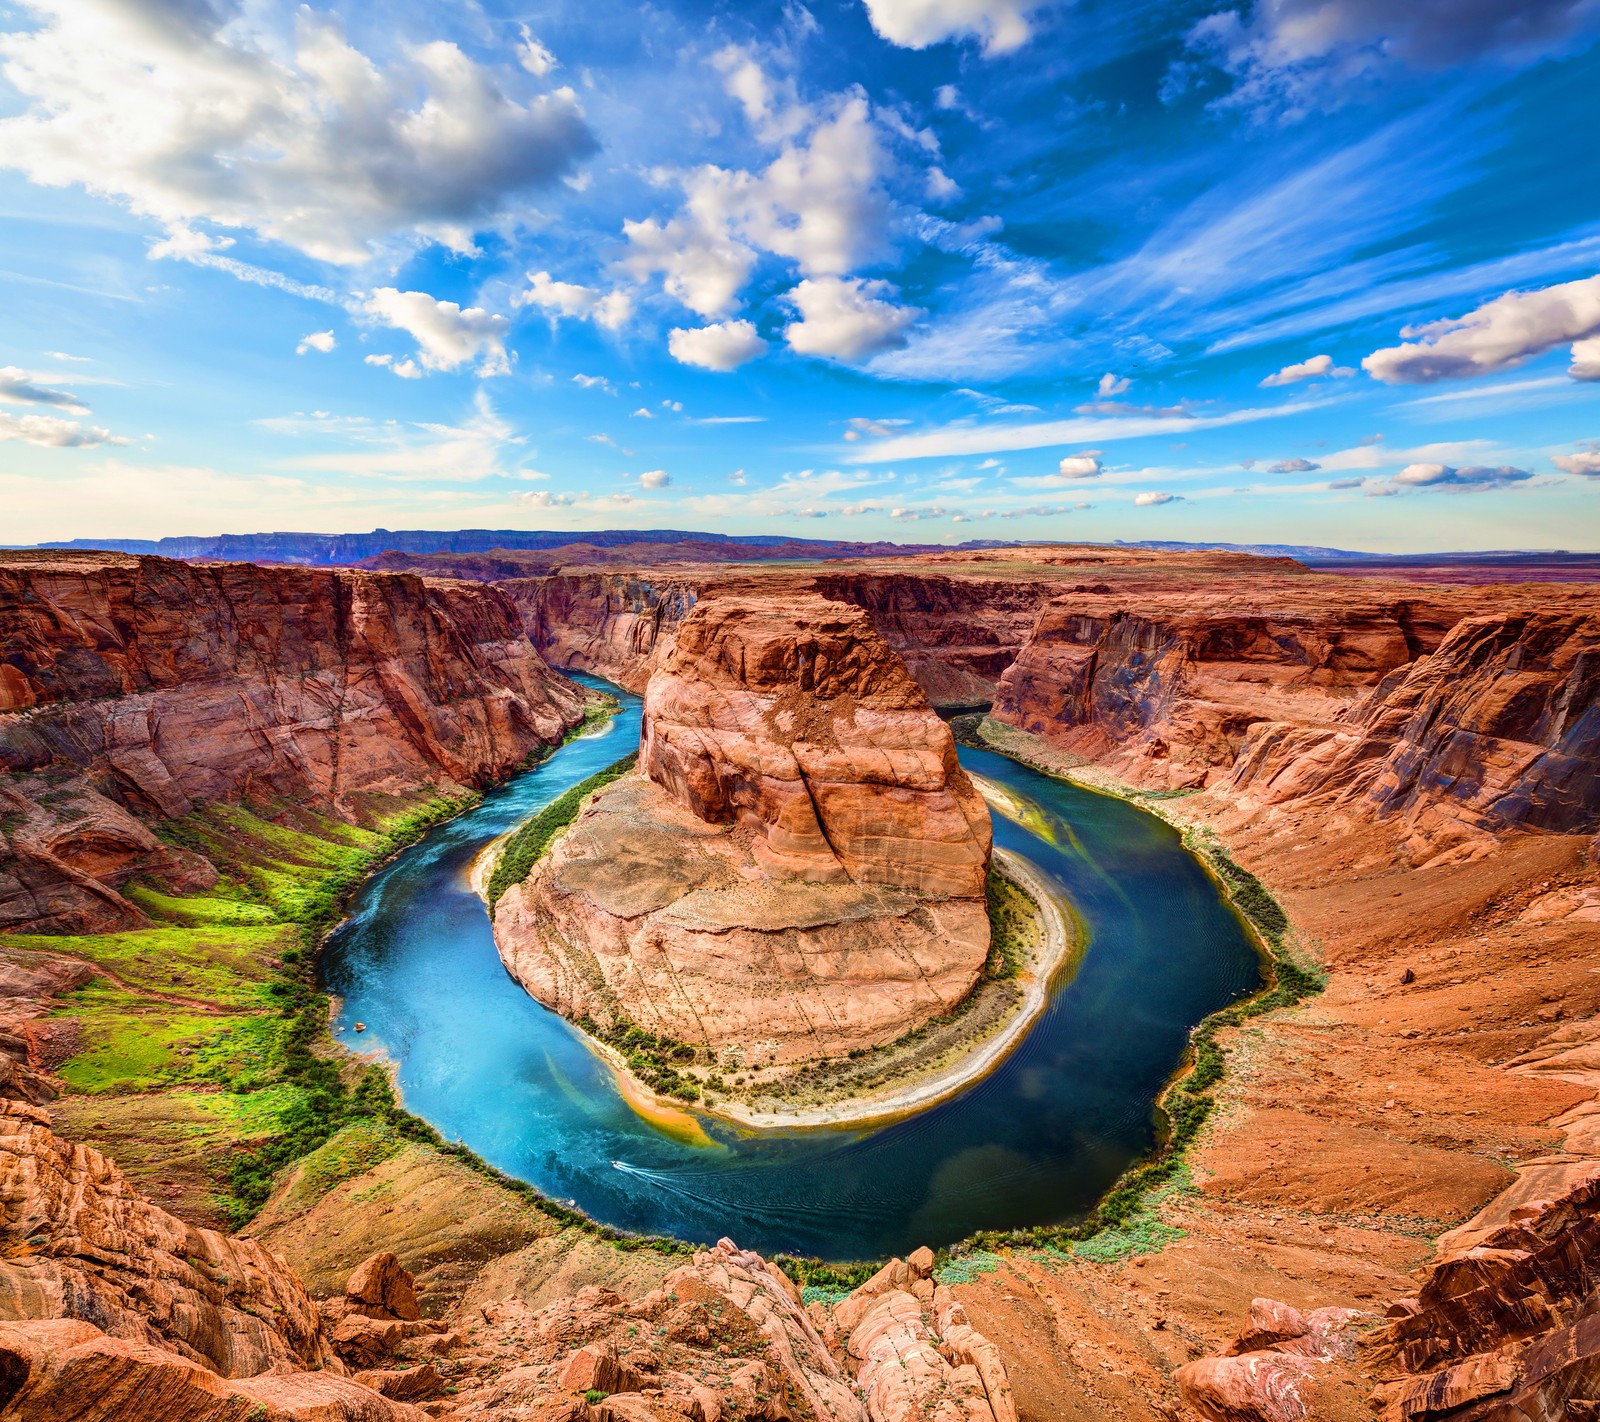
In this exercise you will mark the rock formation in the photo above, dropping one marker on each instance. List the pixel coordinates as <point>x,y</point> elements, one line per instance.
<point>133,689</point>
<point>799,867</point>
<point>1497,729</point>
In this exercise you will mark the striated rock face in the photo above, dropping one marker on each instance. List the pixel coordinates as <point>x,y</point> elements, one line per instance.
<point>794,720</point>
<point>1166,696</point>
<point>81,1243</point>
<point>1497,729</point>
<point>133,689</point>
<point>800,867</point>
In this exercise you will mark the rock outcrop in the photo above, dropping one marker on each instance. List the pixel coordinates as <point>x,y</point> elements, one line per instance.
<point>133,689</point>
<point>798,868</point>
<point>1497,729</point>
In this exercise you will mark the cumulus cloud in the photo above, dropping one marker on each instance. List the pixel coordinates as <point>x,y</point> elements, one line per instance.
<point>23,388</point>
<point>596,382</point>
<point>611,309</point>
<point>1292,466</point>
<point>545,499</point>
<point>1112,385</point>
<point>722,346</point>
<point>447,335</point>
<point>654,479</point>
<point>533,56</point>
<point>1080,466</point>
<point>1586,461</point>
<point>1499,335</point>
<point>406,369</point>
<point>181,113</point>
<point>1585,359</point>
<point>52,432</point>
<point>1472,476</point>
<point>846,318</point>
<point>1000,25</point>
<point>1147,499</point>
<point>820,203</point>
<point>1294,57</point>
<point>737,477</point>
<point>1318,365</point>
<point>317,341</point>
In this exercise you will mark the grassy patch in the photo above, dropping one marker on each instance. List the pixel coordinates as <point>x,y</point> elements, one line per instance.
<point>1012,915</point>
<point>530,839</point>
<point>351,1151</point>
<point>129,1044</point>
<point>964,1268</point>
<point>223,966</point>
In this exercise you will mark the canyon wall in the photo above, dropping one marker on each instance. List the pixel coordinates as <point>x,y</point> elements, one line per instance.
<point>797,870</point>
<point>134,689</point>
<point>956,634</point>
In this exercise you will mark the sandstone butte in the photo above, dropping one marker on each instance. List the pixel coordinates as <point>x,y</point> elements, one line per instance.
<point>798,867</point>
<point>1394,1205</point>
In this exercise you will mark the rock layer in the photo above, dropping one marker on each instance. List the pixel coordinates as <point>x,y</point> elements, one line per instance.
<point>800,867</point>
<point>133,689</point>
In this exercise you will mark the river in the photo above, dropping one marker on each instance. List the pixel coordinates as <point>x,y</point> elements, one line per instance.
<point>1036,1142</point>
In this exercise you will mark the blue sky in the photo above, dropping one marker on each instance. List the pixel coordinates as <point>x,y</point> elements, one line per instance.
<point>1317,271</point>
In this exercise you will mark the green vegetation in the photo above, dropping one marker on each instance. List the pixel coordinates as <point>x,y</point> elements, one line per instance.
<point>967,1267</point>
<point>653,1059</point>
<point>530,840</point>
<point>1012,913</point>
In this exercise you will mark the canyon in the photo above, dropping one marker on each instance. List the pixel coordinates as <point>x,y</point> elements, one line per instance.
<point>1409,769</point>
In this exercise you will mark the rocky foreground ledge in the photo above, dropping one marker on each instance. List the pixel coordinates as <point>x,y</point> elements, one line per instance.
<point>112,1310</point>
<point>797,870</point>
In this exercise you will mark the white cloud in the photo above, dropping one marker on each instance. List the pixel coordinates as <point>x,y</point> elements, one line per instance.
<point>1497,336</point>
<point>611,309</point>
<point>1112,385</point>
<point>654,479</point>
<point>447,335</point>
<point>23,388</point>
<point>723,346</point>
<point>961,439</point>
<point>1585,359</point>
<point>545,499</point>
<point>1355,483</point>
<point>641,414</point>
<point>533,56</point>
<point>1585,462</point>
<point>53,433</point>
<point>406,369</point>
<point>180,112</point>
<point>940,186</point>
<point>317,341</point>
<point>73,359</point>
<point>1146,500</point>
<point>846,318</point>
<point>595,382</point>
<point>820,203</point>
<point>1001,25</point>
<point>737,477</point>
<point>1318,365</point>
<point>1476,476</point>
<point>480,447</point>
<point>1293,466</point>
<point>1078,466</point>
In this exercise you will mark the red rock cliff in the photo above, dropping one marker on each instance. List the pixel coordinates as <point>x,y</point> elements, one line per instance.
<point>133,689</point>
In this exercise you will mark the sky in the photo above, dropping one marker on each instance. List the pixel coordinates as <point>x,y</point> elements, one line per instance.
<point>1308,271</point>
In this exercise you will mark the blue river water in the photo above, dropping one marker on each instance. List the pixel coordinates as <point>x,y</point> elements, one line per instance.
<point>1036,1142</point>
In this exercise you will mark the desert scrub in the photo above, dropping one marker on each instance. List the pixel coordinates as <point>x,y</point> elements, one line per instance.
<point>1012,912</point>
<point>531,838</point>
<point>652,1057</point>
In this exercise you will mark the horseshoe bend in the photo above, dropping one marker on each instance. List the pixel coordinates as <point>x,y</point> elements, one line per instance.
<point>1193,950</point>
